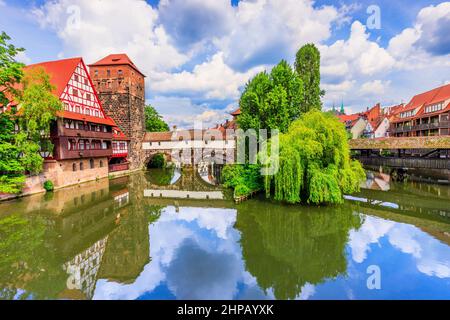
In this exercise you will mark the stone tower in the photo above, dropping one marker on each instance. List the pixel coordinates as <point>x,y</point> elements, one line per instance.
<point>121,89</point>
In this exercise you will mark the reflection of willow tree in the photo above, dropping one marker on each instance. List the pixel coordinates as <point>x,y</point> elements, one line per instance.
<point>284,248</point>
<point>26,262</point>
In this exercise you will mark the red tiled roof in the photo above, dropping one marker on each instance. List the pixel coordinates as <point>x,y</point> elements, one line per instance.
<point>119,135</point>
<point>349,117</point>
<point>86,118</point>
<point>439,94</point>
<point>60,72</point>
<point>236,112</point>
<point>116,60</point>
<point>433,96</point>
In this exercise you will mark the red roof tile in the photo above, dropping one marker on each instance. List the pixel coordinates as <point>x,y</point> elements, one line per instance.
<point>116,60</point>
<point>236,112</point>
<point>60,72</point>
<point>119,135</point>
<point>86,118</point>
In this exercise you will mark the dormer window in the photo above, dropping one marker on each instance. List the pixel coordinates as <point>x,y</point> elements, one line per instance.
<point>434,107</point>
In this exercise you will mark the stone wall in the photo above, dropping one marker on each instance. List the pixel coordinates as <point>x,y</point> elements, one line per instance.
<point>62,175</point>
<point>123,99</point>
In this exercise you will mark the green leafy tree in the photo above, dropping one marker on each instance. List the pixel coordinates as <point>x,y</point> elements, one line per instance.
<point>307,66</point>
<point>314,162</point>
<point>11,167</point>
<point>10,70</point>
<point>271,101</point>
<point>154,121</point>
<point>32,90</point>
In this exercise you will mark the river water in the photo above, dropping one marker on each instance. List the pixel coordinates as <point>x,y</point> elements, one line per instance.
<point>106,240</point>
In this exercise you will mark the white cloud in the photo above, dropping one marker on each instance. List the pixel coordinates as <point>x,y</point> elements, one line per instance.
<point>183,113</point>
<point>356,55</point>
<point>213,79</point>
<point>375,87</point>
<point>267,30</point>
<point>94,28</point>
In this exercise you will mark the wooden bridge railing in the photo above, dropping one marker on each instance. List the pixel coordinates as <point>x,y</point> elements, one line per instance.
<point>417,163</point>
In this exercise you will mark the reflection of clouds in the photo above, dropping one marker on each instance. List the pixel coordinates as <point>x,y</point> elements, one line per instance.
<point>371,230</point>
<point>402,238</point>
<point>218,220</point>
<point>307,291</point>
<point>432,257</point>
<point>195,264</point>
<point>195,273</point>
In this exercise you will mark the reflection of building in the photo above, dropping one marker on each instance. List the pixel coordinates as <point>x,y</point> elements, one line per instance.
<point>83,268</point>
<point>128,248</point>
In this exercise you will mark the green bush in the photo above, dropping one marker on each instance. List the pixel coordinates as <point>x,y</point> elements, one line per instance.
<point>244,179</point>
<point>48,186</point>
<point>158,161</point>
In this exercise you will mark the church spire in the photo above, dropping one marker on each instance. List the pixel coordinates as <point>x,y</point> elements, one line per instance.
<point>342,107</point>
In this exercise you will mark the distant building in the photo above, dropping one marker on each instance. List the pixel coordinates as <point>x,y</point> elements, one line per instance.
<point>427,114</point>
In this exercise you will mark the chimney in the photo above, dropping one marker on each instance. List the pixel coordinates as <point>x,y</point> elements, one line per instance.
<point>174,128</point>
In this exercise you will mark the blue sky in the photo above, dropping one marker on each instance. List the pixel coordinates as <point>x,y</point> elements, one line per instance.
<point>198,54</point>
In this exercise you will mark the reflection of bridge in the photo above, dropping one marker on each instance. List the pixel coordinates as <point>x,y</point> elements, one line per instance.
<point>432,152</point>
<point>190,185</point>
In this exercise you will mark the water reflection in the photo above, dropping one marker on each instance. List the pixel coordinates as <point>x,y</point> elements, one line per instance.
<point>105,240</point>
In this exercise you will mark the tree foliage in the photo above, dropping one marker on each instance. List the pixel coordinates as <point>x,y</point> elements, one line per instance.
<point>244,179</point>
<point>314,162</point>
<point>19,150</point>
<point>10,70</point>
<point>154,121</point>
<point>271,101</point>
<point>307,66</point>
<point>278,243</point>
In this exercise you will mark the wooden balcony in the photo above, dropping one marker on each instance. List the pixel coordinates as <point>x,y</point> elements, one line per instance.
<point>78,154</point>
<point>423,126</point>
<point>118,167</point>
<point>64,132</point>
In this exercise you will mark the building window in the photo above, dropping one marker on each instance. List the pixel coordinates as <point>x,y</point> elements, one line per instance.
<point>108,73</point>
<point>75,92</point>
<point>88,96</point>
<point>81,166</point>
<point>120,72</point>
<point>76,78</point>
<point>74,167</point>
<point>96,73</point>
<point>104,145</point>
<point>86,82</point>
<point>96,113</point>
<point>91,163</point>
<point>81,145</point>
<point>87,111</point>
<point>101,163</point>
<point>77,109</point>
<point>88,145</point>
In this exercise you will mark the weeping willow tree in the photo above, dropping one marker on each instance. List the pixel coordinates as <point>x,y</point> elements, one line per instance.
<point>314,162</point>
